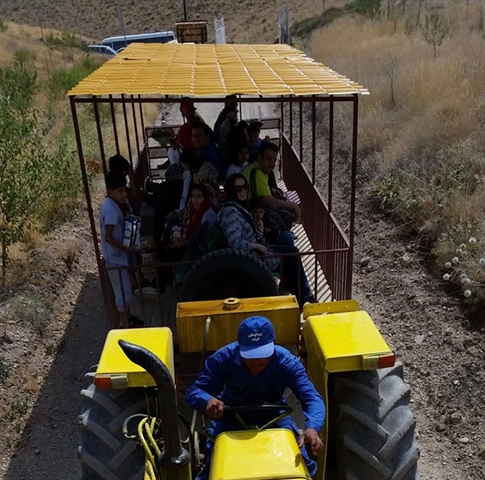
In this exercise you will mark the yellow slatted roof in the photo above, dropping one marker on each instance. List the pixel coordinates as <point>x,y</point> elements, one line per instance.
<point>214,70</point>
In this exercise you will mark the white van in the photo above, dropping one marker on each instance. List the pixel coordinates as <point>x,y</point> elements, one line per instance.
<point>116,43</point>
<point>102,49</point>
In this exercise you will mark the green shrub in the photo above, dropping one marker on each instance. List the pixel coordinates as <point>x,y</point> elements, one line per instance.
<point>63,79</point>
<point>35,312</point>
<point>3,26</point>
<point>368,8</point>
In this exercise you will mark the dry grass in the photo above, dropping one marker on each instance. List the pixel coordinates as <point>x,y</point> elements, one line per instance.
<point>422,127</point>
<point>253,21</point>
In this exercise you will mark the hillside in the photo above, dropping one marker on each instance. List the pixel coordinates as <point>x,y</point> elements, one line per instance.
<point>253,21</point>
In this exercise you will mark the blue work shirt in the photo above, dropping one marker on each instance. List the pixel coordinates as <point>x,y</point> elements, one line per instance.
<point>226,377</point>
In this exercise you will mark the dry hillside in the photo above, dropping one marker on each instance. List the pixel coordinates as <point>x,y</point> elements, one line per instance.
<point>253,21</point>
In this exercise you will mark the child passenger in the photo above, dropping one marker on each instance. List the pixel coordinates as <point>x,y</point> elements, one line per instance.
<point>115,254</point>
<point>270,226</point>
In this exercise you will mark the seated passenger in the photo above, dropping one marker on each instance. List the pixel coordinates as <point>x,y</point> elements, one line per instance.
<point>254,142</point>
<point>188,160</point>
<point>230,101</point>
<point>273,229</point>
<point>201,140</point>
<point>207,175</point>
<point>179,232</point>
<point>242,233</point>
<point>257,176</point>
<point>240,158</point>
<point>167,199</point>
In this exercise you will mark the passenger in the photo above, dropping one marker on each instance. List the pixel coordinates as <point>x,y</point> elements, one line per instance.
<point>230,120</point>
<point>190,101</point>
<point>200,210</point>
<point>167,198</point>
<point>242,233</point>
<point>257,176</point>
<point>178,233</point>
<point>201,141</point>
<point>240,159</point>
<point>230,101</point>
<point>207,175</point>
<point>188,160</point>
<point>271,226</point>
<point>224,146</point>
<point>118,163</point>
<point>115,254</point>
<point>254,141</point>
<point>184,136</point>
<point>238,135</point>
<point>254,371</point>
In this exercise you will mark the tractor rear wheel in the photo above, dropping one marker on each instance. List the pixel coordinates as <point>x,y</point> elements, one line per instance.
<point>228,273</point>
<point>373,427</point>
<point>104,452</point>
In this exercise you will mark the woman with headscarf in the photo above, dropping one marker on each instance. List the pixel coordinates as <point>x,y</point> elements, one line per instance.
<point>243,233</point>
<point>198,211</point>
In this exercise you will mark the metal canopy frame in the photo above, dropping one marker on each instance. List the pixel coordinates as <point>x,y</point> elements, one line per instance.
<point>331,246</point>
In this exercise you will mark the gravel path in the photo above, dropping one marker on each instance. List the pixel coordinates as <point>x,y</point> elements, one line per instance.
<point>443,357</point>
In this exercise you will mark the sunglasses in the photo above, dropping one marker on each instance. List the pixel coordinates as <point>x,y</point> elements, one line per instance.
<point>240,188</point>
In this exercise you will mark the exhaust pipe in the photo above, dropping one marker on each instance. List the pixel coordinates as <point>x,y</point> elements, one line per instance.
<point>174,457</point>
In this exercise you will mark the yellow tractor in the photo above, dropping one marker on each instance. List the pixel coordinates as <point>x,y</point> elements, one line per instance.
<point>134,423</point>
<point>134,427</point>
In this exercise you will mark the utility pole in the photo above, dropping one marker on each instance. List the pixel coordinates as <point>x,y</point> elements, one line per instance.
<point>184,3</point>
<point>121,21</point>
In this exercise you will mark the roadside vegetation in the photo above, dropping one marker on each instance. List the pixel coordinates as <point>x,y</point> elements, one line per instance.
<point>422,127</point>
<point>40,178</point>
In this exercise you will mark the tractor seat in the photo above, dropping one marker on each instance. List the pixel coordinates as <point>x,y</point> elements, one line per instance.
<point>257,455</point>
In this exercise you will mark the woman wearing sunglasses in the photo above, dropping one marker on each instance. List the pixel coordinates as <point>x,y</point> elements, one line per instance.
<point>242,233</point>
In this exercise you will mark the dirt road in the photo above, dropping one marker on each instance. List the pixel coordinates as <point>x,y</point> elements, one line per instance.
<point>443,357</point>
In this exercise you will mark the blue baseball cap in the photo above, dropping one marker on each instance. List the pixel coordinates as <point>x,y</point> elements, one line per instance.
<point>256,338</point>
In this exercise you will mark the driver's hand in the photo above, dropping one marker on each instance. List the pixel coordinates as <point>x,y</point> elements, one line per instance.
<point>310,437</point>
<point>214,408</point>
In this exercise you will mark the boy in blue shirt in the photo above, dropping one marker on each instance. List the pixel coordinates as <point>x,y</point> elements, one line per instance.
<point>115,254</point>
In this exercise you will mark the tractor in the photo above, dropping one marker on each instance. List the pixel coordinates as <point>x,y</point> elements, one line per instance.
<point>134,422</point>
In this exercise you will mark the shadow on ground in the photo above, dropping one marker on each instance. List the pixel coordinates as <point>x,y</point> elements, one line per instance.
<point>49,441</point>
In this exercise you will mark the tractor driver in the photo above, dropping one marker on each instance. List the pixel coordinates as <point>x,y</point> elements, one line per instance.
<point>253,371</point>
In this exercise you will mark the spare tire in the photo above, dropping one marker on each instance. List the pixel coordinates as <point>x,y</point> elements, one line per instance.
<point>228,273</point>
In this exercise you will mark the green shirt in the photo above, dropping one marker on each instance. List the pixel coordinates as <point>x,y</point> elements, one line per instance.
<point>260,180</point>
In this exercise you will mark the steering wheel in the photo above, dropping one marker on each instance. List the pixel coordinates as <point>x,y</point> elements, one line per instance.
<point>280,412</point>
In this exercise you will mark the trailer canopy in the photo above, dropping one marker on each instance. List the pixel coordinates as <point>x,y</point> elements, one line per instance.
<point>214,70</point>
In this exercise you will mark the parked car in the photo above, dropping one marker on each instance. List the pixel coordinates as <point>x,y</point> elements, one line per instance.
<point>102,49</point>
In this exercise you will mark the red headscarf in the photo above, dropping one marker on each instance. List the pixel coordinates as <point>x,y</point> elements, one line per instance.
<point>195,215</point>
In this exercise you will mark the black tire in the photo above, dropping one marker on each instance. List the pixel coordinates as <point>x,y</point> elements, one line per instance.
<point>104,452</point>
<point>228,273</point>
<point>373,427</point>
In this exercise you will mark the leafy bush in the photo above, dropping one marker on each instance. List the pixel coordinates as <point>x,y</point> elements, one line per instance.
<point>63,79</point>
<point>35,312</point>
<point>368,8</point>
<point>33,173</point>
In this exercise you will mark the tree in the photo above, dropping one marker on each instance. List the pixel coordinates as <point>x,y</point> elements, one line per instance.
<point>434,30</point>
<point>27,164</point>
